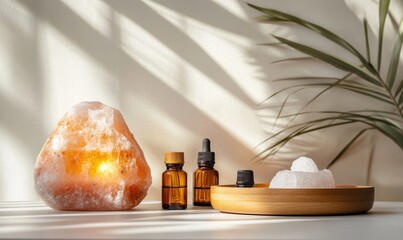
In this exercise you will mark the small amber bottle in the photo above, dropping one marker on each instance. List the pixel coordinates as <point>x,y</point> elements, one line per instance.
<point>174,182</point>
<point>205,176</point>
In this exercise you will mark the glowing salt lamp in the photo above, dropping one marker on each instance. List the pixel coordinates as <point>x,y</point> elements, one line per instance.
<point>91,161</point>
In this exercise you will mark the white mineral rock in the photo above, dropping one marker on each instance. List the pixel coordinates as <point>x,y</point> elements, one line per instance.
<point>304,164</point>
<point>304,174</point>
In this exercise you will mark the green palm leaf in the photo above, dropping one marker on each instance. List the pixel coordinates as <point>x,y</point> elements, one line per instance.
<point>292,59</point>
<point>399,88</point>
<point>383,11</point>
<point>300,131</point>
<point>378,114</point>
<point>337,83</point>
<point>390,79</point>
<point>350,87</point>
<point>392,131</point>
<point>343,116</point>
<point>347,146</point>
<point>367,40</point>
<point>274,15</point>
<point>274,44</point>
<point>305,78</point>
<point>400,99</point>
<point>382,125</point>
<point>334,61</point>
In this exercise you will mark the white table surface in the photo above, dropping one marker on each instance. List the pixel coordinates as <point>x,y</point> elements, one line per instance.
<point>34,220</point>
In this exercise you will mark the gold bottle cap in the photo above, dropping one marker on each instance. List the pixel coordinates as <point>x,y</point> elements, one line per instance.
<point>174,158</point>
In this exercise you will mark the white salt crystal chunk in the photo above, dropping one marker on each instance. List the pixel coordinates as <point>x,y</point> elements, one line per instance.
<point>58,143</point>
<point>291,179</point>
<point>304,164</point>
<point>284,179</point>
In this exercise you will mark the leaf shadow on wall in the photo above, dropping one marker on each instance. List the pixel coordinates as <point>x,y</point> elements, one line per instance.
<point>22,119</point>
<point>100,48</point>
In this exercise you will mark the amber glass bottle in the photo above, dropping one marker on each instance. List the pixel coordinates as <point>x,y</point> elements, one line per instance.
<point>205,176</point>
<point>174,182</point>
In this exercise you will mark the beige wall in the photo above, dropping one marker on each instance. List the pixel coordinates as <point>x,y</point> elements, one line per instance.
<point>179,71</point>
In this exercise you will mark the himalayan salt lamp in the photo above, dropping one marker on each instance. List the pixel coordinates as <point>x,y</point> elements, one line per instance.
<point>91,161</point>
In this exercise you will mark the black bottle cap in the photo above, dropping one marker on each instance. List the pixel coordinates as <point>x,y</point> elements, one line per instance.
<point>206,157</point>
<point>244,178</point>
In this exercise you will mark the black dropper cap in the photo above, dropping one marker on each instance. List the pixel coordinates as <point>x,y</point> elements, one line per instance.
<point>206,157</point>
<point>244,178</point>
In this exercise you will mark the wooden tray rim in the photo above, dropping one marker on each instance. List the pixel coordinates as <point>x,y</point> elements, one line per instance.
<point>349,199</point>
<point>264,186</point>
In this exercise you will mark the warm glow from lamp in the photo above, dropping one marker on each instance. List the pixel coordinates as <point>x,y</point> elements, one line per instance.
<point>91,161</point>
<point>107,168</point>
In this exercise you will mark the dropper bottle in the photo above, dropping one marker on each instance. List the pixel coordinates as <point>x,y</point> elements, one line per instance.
<point>205,176</point>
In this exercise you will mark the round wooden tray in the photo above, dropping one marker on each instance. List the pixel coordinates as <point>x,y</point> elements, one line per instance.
<point>260,199</point>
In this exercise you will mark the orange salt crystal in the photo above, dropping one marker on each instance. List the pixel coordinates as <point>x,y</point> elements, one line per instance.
<point>91,161</point>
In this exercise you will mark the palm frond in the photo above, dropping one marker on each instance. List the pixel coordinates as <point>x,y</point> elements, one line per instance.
<point>358,89</point>
<point>300,131</point>
<point>363,80</point>
<point>384,125</point>
<point>292,59</point>
<point>334,61</point>
<point>268,19</point>
<point>369,92</point>
<point>281,16</point>
<point>390,79</point>
<point>335,84</point>
<point>400,102</point>
<point>343,116</point>
<point>392,131</point>
<point>285,102</point>
<point>383,11</point>
<point>367,41</point>
<point>305,78</point>
<point>378,114</point>
<point>274,44</point>
<point>347,146</point>
<point>399,89</point>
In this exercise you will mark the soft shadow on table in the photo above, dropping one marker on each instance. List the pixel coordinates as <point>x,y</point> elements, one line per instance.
<point>43,221</point>
<point>150,221</point>
<point>382,212</point>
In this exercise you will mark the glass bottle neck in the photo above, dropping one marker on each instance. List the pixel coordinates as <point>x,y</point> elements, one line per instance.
<point>206,166</point>
<point>174,166</point>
